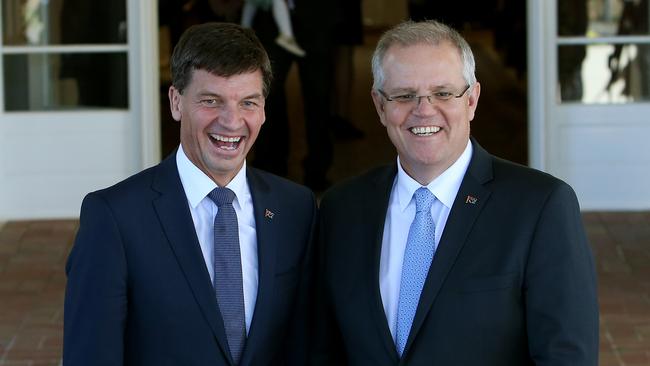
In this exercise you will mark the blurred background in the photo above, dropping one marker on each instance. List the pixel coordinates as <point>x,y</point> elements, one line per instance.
<point>83,92</point>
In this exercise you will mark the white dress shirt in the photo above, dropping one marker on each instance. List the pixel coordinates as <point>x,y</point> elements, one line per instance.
<point>401,212</point>
<point>197,185</point>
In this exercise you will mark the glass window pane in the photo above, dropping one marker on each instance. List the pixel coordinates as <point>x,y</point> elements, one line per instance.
<point>603,18</point>
<point>604,73</point>
<point>55,22</point>
<point>36,82</point>
<point>572,17</point>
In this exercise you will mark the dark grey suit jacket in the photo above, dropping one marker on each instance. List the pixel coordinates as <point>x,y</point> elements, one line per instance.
<point>512,281</point>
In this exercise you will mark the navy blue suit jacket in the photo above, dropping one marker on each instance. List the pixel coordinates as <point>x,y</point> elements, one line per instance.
<point>139,292</point>
<point>512,282</point>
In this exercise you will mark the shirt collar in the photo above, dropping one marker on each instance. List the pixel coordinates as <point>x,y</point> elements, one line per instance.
<point>197,184</point>
<point>444,187</point>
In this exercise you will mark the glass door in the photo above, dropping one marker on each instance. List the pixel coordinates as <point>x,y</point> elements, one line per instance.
<point>592,109</point>
<point>69,105</point>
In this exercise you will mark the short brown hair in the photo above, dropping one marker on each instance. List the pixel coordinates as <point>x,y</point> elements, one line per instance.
<point>223,49</point>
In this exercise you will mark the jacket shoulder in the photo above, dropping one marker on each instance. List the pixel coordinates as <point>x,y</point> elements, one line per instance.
<point>527,186</point>
<point>351,189</point>
<point>282,186</point>
<point>509,173</point>
<point>136,184</point>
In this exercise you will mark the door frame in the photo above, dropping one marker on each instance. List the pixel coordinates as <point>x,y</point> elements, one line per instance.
<point>611,175</point>
<point>141,145</point>
<point>148,61</point>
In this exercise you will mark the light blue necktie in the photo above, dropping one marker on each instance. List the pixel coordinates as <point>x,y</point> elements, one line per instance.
<point>418,255</point>
<point>228,282</point>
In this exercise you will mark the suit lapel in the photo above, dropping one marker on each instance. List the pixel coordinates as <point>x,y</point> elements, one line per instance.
<point>469,202</point>
<point>176,221</point>
<point>377,209</point>
<point>265,207</point>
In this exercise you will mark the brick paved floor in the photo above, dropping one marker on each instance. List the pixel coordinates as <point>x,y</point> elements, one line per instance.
<point>621,243</point>
<point>32,281</point>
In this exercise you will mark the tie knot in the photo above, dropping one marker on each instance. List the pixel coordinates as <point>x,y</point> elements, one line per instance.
<point>221,195</point>
<point>423,199</point>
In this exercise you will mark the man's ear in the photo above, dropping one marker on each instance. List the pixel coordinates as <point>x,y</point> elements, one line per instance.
<point>175,103</point>
<point>378,100</point>
<point>473,99</point>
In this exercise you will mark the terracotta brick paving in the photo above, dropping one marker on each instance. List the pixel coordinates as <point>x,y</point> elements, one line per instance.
<point>32,282</point>
<point>621,243</point>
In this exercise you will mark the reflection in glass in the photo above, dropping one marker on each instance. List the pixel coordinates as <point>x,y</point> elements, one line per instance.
<point>36,82</point>
<point>634,18</point>
<point>607,74</point>
<point>570,61</point>
<point>603,18</point>
<point>56,22</point>
<point>572,17</point>
<point>620,17</point>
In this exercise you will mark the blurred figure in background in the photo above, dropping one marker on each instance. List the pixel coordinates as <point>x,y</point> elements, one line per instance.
<point>349,35</point>
<point>313,23</point>
<point>574,16</point>
<point>634,21</point>
<point>282,19</point>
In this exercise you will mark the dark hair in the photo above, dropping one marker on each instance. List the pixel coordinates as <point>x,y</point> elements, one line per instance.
<point>223,49</point>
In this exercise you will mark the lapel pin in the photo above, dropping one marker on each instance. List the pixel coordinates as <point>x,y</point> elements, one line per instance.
<point>471,200</point>
<point>268,214</point>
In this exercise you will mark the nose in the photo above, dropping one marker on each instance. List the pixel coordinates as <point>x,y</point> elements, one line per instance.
<point>429,99</point>
<point>230,115</point>
<point>426,105</point>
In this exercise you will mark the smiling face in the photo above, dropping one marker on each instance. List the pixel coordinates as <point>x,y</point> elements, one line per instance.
<point>429,137</point>
<point>220,120</point>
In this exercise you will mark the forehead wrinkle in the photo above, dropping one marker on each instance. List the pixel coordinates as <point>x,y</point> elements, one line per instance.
<point>216,95</point>
<point>254,95</point>
<point>405,61</point>
<point>207,93</point>
<point>409,89</point>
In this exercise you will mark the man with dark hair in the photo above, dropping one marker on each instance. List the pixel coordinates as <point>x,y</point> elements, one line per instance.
<point>198,260</point>
<point>450,255</point>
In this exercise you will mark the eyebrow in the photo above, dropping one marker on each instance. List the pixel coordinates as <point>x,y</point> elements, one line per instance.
<point>254,96</point>
<point>219,96</point>
<point>402,90</point>
<point>413,90</point>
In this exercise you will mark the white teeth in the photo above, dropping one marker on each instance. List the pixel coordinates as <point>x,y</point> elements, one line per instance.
<point>225,138</point>
<point>426,131</point>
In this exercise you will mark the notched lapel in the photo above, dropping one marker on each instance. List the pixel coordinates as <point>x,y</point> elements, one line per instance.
<point>470,200</point>
<point>267,216</point>
<point>176,221</point>
<point>376,205</point>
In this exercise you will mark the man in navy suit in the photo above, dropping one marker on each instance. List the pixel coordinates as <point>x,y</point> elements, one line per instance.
<point>450,256</point>
<point>141,272</point>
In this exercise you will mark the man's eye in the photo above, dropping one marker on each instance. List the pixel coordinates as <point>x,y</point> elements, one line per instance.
<point>209,102</point>
<point>404,98</point>
<point>443,95</point>
<point>248,104</point>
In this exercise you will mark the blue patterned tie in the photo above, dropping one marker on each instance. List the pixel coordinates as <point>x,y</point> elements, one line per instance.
<point>228,283</point>
<point>417,260</point>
